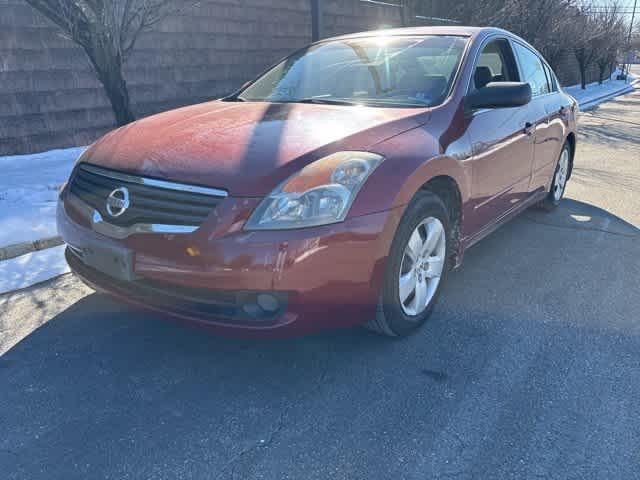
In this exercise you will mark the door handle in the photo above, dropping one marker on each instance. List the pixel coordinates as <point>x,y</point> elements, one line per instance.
<point>562,110</point>
<point>529,128</point>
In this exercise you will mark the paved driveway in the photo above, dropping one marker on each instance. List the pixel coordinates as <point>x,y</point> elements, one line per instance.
<point>529,368</point>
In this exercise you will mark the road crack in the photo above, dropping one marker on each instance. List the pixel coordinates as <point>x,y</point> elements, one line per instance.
<point>271,436</point>
<point>231,464</point>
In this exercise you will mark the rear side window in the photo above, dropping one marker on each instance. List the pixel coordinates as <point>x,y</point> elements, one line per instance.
<point>495,64</point>
<point>553,86</point>
<point>532,70</point>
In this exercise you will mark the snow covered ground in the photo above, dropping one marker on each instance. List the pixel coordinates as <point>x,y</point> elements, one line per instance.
<point>595,94</point>
<point>32,268</point>
<point>29,187</point>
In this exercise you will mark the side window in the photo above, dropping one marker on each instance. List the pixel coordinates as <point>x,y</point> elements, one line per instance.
<point>495,64</point>
<point>553,86</point>
<point>532,70</point>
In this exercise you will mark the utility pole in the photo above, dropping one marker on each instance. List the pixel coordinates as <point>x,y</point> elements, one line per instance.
<point>406,13</point>
<point>625,68</point>
<point>316,20</point>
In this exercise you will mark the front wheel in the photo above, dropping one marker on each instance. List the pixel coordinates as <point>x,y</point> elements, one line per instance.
<point>560,177</point>
<point>417,265</point>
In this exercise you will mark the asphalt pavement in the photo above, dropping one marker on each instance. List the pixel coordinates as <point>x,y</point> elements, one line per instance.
<point>529,368</point>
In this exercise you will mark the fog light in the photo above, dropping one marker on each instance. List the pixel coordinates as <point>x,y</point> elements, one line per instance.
<point>252,310</point>
<point>261,305</point>
<point>268,303</point>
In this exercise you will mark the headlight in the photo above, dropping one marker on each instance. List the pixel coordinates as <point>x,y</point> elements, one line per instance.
<point>319,194</point>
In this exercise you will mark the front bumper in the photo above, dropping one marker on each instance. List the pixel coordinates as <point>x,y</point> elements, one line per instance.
<point>322,277</point>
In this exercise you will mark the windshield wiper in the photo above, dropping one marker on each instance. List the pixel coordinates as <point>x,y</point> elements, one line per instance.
<point>372,102</point>
<point>316,100</point>
<point>325,101</point>
<point>233,98</point>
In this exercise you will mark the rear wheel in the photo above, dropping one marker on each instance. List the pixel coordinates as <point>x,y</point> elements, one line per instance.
<point>417,265</point>
<point>560,177</point>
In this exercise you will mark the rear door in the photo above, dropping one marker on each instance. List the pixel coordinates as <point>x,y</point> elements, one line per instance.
<point>545,114</point>
<point>558,110</point>
<point>501,142</point>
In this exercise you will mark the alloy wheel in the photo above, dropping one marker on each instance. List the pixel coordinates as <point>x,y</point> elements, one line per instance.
<point>562,173</point>
<point>422,265</point>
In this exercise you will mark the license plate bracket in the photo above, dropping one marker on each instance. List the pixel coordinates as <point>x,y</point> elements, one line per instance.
<point>114,261</point>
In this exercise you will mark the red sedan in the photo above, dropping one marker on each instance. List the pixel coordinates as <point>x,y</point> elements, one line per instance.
<point>337,188</point>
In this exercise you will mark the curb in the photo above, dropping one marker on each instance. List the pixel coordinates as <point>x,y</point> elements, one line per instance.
<point>18,249</point>
<point>596,101</point>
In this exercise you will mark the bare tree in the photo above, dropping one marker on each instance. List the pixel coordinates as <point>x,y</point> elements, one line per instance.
<point>592,32</point>
<point>543,23</point>
<point>107,30</point>
<point>611,39</point>
<point>585,33</point>
<point>597,34</point>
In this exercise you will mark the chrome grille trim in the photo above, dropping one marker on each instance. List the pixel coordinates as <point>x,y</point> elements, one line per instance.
<point>99,225</point>
<point>152,182</point>
<point>155,206</point>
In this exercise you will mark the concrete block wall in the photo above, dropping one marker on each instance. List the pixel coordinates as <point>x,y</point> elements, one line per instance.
<point>49,97</point>
<point>568,72</point>
<point>349,16</point>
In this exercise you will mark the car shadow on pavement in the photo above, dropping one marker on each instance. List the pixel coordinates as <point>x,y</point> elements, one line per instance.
<point>583,216</point>
<point>104,390</point>
<point>614,134</point>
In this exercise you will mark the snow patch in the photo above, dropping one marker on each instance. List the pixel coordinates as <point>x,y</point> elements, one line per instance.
<point>32,268</point>
<point>595,93</point>
<point>29,187</point>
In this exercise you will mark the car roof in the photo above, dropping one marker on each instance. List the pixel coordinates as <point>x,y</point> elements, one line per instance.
<point>457,30</point>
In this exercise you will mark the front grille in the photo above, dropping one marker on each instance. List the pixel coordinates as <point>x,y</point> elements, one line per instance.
<point>151,201</point>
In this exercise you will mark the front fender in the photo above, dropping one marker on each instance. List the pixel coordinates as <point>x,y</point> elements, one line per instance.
<point>438,166</point>
<point>412,159</point>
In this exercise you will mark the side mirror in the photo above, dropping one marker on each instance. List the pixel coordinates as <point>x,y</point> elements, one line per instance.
<point>499,95</point>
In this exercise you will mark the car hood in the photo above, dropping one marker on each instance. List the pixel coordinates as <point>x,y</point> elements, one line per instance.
<point>245,148</point>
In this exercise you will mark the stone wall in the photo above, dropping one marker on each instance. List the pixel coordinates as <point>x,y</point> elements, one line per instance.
<point>50,98</point>
<point>568,71</point>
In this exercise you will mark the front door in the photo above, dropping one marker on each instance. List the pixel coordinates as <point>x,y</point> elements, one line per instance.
<point>502,142</point>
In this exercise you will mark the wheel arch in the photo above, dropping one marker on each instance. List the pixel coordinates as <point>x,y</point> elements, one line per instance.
<point>571,140</point>
<point>447,178</point>
<point>394,189</point>
<point>450,185</point>
<point>447,189</point>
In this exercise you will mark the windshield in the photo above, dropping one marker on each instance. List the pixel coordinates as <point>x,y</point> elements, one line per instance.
<point>380,71</point>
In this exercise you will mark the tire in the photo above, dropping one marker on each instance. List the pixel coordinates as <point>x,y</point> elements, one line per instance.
<point>559,182</point>
<point>426,214</point>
